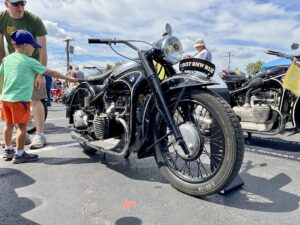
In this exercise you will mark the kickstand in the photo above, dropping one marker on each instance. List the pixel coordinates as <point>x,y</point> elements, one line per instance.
<point>235,184</point>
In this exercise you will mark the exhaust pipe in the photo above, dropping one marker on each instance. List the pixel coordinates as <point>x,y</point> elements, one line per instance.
<point>98,144</point>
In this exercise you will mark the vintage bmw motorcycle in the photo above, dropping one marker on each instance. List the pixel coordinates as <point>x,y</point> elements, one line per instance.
<point>193,134</point>
<point>264,106</point>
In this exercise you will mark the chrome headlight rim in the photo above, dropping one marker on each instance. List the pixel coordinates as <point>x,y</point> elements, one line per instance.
<point>171,49</point>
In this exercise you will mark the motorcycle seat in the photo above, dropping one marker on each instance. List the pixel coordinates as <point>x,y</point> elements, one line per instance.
<point>268,73</point>
<point>234,78</point>
<point>100,77</point>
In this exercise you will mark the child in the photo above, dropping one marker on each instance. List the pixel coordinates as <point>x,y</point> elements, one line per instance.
<point>56,90</point>
<point>19,71</point>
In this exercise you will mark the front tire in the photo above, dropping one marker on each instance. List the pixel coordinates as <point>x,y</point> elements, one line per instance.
<point>214,138</point>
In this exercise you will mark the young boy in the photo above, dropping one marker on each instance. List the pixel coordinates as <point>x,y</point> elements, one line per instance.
<point>19,71</point>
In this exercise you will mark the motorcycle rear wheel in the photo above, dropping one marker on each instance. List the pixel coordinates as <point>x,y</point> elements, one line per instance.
<point>215,140</point>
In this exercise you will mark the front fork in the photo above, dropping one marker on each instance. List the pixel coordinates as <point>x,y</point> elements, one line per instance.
<point>161,104</point>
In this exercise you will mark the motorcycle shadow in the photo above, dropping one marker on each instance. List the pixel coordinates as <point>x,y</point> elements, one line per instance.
<point>259,193</point>
<point>274,143</point>
<point>133,168</point>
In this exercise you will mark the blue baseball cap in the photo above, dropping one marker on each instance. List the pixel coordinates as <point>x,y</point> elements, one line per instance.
<point>24,37</point>
<point>14,1</point>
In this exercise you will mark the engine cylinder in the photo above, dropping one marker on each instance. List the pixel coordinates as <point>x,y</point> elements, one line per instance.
<point>101,126</point>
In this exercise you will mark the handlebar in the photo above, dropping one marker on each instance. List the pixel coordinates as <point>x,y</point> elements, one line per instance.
<point>279,54</point>
<point>112,41</point>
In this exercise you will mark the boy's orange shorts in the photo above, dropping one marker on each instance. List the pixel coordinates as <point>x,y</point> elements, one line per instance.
<point>15,112</point>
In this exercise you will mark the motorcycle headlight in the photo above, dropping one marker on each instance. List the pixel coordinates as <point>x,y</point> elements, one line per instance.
<point>171,49</point>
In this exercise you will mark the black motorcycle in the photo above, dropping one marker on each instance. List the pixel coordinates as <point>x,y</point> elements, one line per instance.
<point>193,134</point>
<point>263,105</point>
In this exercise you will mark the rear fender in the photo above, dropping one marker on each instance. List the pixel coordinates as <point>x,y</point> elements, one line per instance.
<point>76,98</point>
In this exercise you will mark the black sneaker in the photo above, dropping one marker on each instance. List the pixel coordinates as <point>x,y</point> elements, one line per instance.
<point>8,153</point>
<point>25,157</point>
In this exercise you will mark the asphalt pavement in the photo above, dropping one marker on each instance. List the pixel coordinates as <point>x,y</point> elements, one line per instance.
<point>66,186</point>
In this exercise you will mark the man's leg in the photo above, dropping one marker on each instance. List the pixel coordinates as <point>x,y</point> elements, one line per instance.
<point>38,115</point>
<point>39,140</point>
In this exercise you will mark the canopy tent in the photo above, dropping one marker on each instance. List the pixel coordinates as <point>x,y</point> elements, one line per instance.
<point>276,62</point>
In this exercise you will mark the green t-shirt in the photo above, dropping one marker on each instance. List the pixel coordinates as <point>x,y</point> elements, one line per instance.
<point>19,74</point>
<point>28,22</point>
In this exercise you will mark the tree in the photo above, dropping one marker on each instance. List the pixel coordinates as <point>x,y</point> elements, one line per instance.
<point>113,66</point>
<point>253,68</point>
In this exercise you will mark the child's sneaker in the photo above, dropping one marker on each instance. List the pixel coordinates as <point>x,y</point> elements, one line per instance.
<point>8,153</point>
<point>25,157</point>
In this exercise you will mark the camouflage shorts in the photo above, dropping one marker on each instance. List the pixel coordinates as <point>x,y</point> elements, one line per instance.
<point>38,94</point>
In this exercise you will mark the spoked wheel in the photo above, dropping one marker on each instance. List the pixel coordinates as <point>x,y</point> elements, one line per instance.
<point>214,139</point>
<point>31,125</point>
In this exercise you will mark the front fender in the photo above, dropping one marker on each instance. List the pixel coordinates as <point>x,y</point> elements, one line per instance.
<point>186,80</point>
<point>195,80</point>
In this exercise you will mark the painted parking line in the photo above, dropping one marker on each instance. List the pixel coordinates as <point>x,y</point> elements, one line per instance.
<point>48,148</point>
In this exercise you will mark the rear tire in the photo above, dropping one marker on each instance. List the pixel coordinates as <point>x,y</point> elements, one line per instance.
<point>207,172</point>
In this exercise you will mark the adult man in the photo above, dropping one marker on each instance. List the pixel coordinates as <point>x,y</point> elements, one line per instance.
<point>71,73</point>
<point>16,18</point>
<point>79,73</point>
<point>203,52</point>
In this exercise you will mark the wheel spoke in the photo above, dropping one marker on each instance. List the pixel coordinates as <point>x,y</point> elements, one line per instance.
<point>210,133</point>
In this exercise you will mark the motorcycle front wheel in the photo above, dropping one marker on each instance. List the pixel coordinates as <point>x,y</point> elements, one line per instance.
<point>215,142</point>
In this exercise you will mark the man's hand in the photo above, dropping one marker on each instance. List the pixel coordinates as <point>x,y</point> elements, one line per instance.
<point>40,81</point>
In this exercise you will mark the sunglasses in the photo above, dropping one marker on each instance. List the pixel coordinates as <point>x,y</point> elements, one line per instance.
<point>16,4</point>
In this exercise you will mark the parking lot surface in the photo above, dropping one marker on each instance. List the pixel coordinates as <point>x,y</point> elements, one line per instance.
<point>66,186</point>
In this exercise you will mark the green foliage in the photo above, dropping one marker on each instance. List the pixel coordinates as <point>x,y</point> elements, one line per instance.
<point>253,68</point>
<point>113,66</point>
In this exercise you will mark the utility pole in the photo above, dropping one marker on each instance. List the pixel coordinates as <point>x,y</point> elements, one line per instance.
<point>69,50</point>
<point>229,59</point>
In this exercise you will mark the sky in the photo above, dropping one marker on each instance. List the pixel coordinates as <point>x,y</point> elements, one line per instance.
<point>241,28</point>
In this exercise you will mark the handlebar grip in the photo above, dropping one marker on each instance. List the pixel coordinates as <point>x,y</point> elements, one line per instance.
<point>98,41</point>
<point>271,52</point>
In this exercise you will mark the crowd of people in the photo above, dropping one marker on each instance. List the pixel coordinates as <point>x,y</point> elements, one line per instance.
<point>55,87</point>
<point>25,34</point>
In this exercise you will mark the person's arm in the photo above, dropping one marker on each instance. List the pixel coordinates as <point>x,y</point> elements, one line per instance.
<point>2,55</point>
<point>43,51</point>
<point>40,79</point>
<point>58,75</point>
<point>2,49</point>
